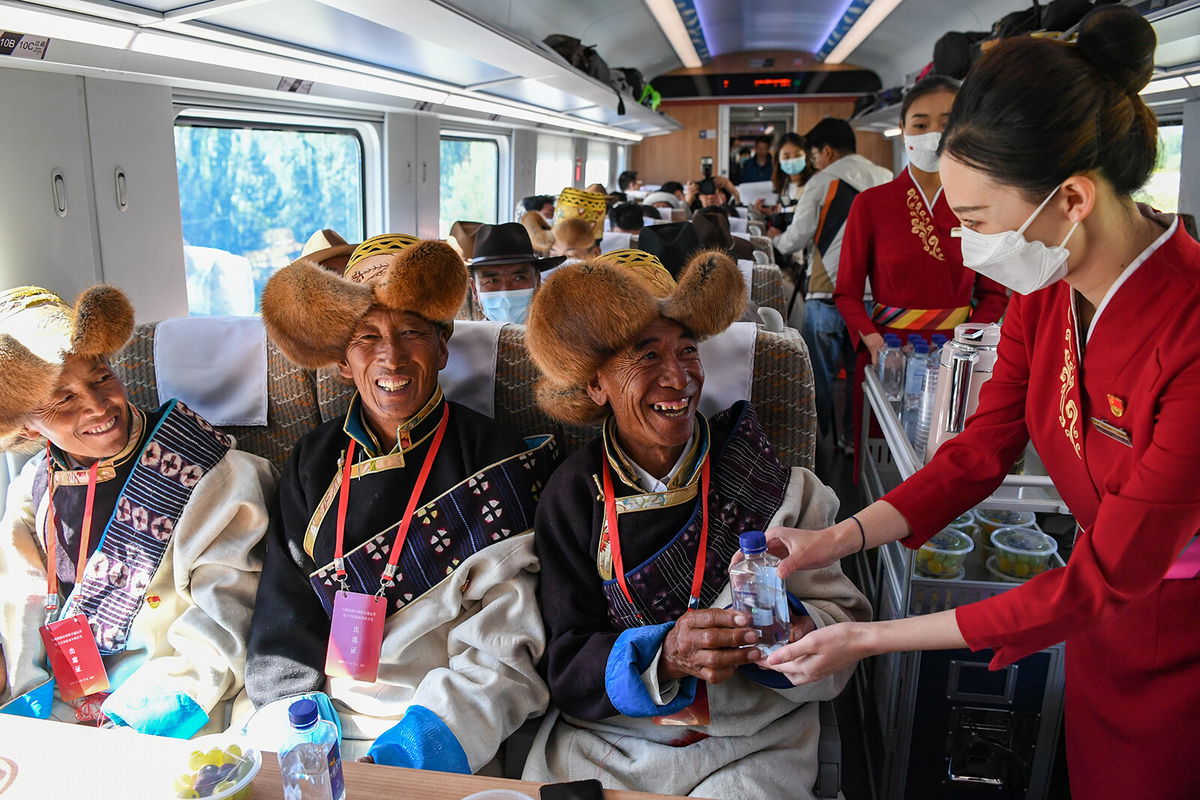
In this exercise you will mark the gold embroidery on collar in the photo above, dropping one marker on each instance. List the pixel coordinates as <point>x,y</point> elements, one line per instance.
<point>1068,410</point>
<point>622,464</point>
<point>922,225</point>
<point>404,440</point>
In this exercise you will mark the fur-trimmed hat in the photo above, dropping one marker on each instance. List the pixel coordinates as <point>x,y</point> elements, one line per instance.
<point>591,207</point>
<point>311,313</point>
<point>38,331</point>
<point>586,313</point>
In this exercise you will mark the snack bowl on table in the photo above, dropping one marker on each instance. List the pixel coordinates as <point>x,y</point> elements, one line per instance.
<point>997,575</point>
<point>218,768</point>
<point>991,519</point>
<point>943,555</point>
<point>1022,552</point>
<point>964,520</point>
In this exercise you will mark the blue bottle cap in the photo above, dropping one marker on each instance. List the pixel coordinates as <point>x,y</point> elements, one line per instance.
<point>753,542</point>
<point>915,337</point>
<point>303,713</point>
<point>938,339</point>
<point>921,347</point>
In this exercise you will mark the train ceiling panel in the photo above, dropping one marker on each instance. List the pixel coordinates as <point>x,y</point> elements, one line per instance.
<point>734,27</point>
<point>381,53</point>
<point>624,32</point>
<point>318,26</point>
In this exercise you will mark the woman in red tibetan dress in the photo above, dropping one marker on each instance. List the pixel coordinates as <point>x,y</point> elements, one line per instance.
<point>898,237</point>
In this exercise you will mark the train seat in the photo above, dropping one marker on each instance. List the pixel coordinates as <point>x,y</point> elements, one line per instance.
<point>299,400</point>
<point>780,387</point>
<point>291,396</point>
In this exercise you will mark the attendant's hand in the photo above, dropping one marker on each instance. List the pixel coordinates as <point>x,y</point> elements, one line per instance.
<point>874,344</point>
<point>708,644</point>
<point>760,206</point>
<point>823,652</point>
<point>772,231</point>
<point>803,549</point>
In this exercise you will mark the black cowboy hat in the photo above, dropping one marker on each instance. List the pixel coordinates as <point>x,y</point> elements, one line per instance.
<point>673,243</point>
<point>508,243</point>
<point>712,228</point>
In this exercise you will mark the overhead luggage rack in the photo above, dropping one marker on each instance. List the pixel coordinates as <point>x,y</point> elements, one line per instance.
<point>982,733</point>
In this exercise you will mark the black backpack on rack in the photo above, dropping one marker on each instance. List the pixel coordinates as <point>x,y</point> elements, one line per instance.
<point>581,56</point>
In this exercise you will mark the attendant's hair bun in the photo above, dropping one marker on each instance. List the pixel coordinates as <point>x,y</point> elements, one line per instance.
<point>1119,43</point>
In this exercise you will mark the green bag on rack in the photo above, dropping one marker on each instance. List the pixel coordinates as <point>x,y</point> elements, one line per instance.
<point>651,97</point>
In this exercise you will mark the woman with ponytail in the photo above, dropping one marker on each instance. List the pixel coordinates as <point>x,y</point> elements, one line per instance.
<point>1098,365</point>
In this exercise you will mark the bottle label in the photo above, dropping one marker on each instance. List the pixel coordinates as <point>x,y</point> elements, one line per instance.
<point>337,784</point>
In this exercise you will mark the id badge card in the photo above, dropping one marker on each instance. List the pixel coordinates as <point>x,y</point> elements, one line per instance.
<point>74,658</point>
<point>355,636</point>
<point>694,716</point>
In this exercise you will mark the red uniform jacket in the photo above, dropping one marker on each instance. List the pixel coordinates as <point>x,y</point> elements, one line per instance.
<point>1133,638</point>
<point>907,252</point>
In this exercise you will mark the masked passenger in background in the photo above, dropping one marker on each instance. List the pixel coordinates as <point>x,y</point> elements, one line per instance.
<point>505,272</point>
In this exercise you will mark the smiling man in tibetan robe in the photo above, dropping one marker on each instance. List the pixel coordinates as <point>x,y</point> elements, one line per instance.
<point>402,531</point>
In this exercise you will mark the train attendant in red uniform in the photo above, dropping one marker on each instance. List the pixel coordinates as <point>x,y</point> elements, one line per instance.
<point>898,237</point>
<point>1099,365</point>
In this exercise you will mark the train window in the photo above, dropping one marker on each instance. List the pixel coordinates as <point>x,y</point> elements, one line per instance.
<point>596,168</point>
<point>250,197</point>
<point>555,164</point>
<point>470,181</point>
<point>1162,190</point>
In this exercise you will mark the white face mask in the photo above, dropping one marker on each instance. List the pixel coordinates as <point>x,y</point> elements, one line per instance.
<point>1012,260</point>
<point>922,150</point>
<point>510,306</point>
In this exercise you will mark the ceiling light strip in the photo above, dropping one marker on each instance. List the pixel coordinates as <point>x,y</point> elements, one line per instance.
<point>695,26</point>
<point>870,19</point>
<point>842,26</point>
<point>670,20</point>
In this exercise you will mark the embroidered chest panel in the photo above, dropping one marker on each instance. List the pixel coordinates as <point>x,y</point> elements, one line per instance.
<point>747,491</point>
<point>181,451</point>
<point>922,225</point>
<point>488,507</point>
<point>1068,406</point>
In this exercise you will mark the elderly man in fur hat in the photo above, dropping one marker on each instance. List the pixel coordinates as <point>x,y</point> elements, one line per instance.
<point>654,686</point>
<point>129,550</point>
<point>399,586</point>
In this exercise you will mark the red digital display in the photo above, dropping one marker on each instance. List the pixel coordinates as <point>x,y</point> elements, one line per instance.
<point>774,83</point>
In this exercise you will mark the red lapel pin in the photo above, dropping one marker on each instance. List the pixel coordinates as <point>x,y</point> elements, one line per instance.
<point>1116,405</point>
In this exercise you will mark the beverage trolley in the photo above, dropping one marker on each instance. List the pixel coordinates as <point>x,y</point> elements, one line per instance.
<point>947,726</point>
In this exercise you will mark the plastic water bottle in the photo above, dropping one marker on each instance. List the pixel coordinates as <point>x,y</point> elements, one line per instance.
<point>310,760</point>
<point>891,370</point>
<point>758,591</point>
<point>925,409</point>
<point>914,384</point>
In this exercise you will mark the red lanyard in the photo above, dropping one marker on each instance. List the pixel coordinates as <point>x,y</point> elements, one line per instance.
<point>52,531</point>
<point>389,571</point>
<point>614,536</point>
